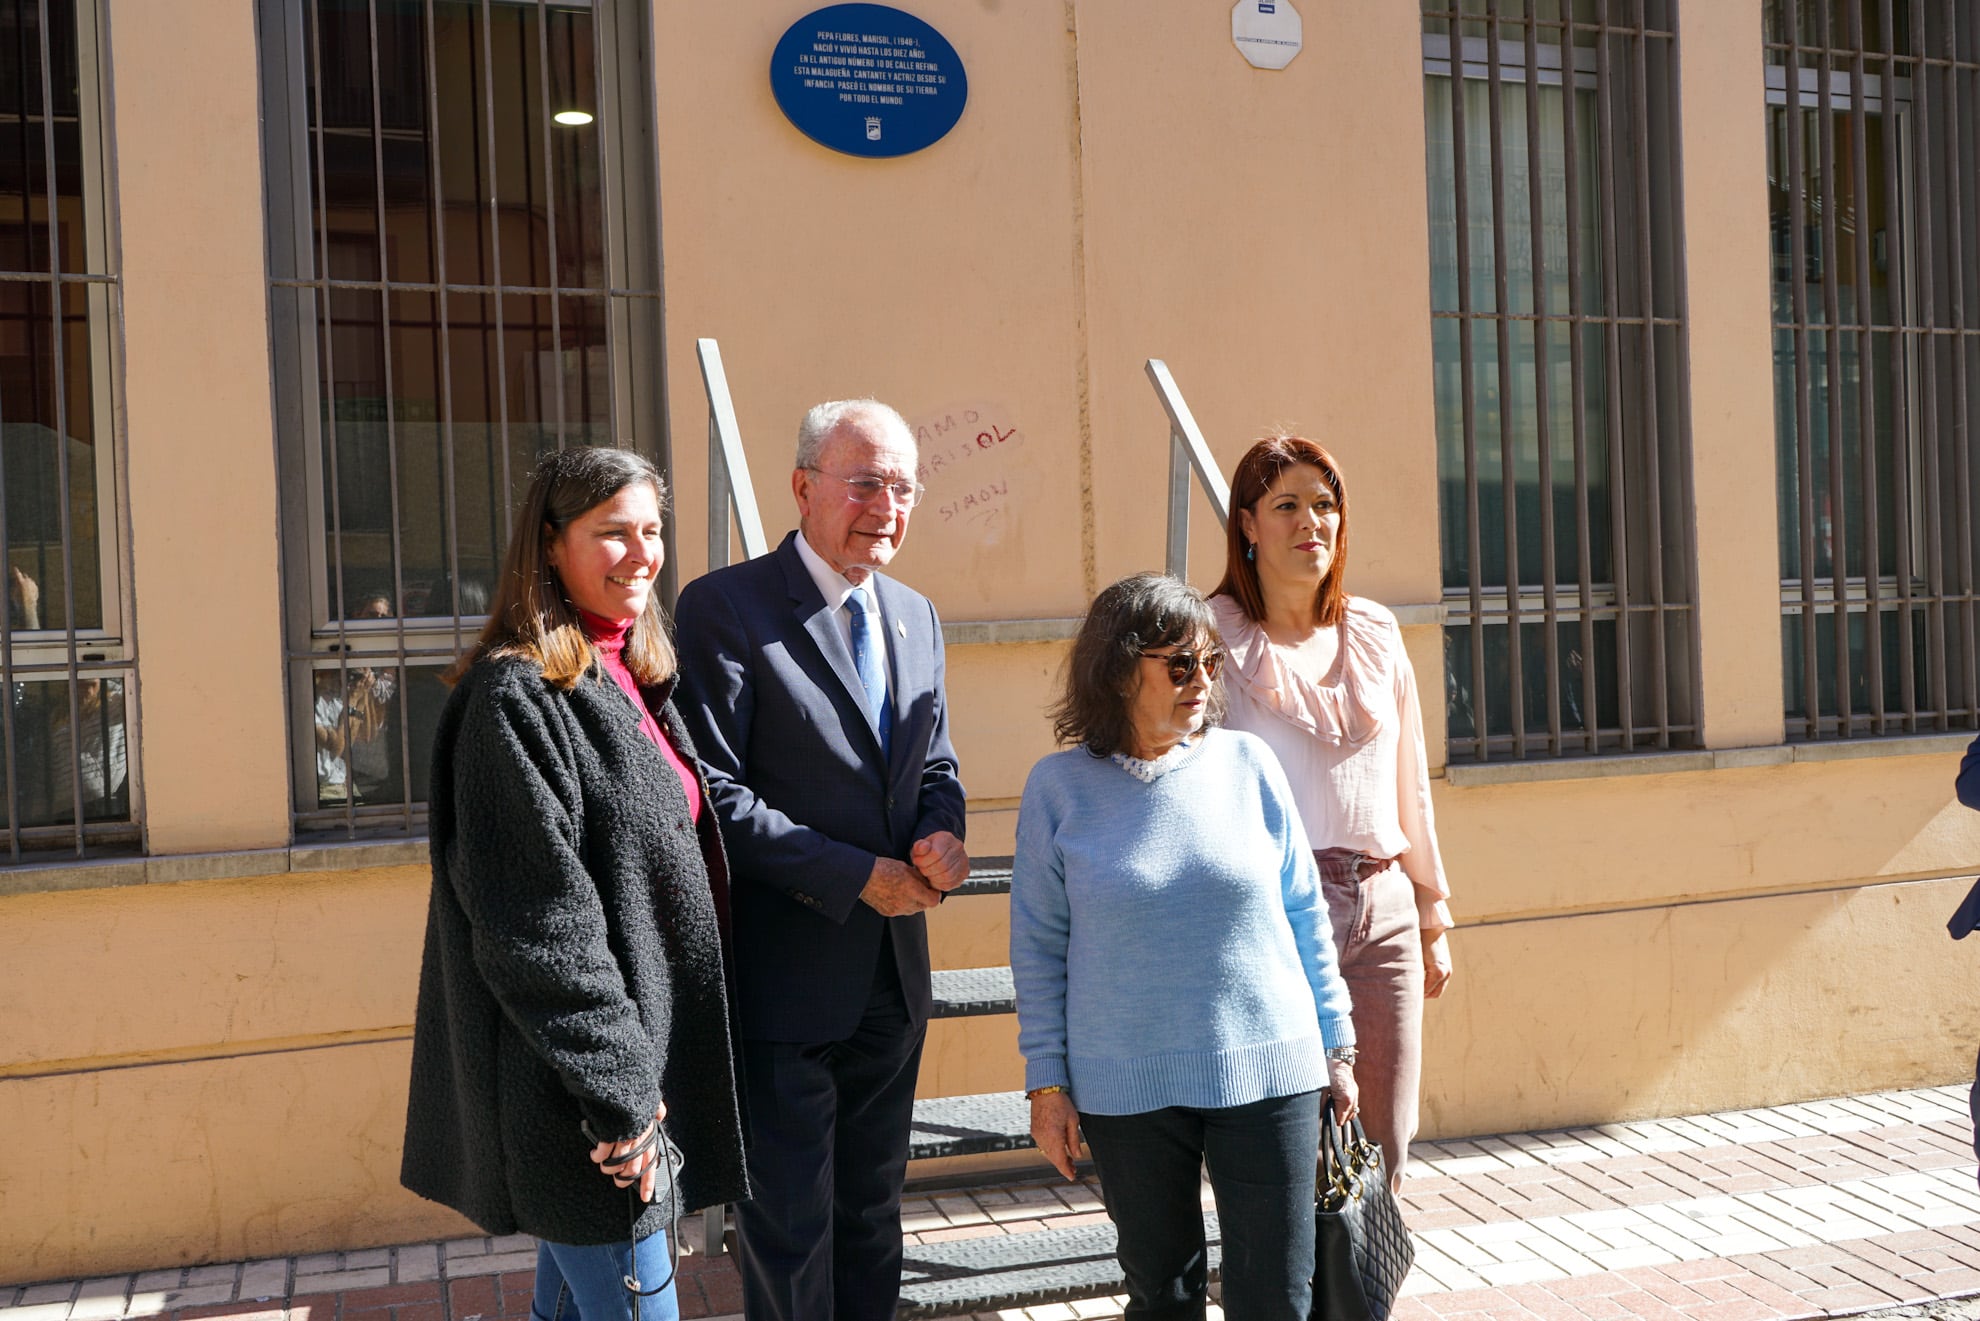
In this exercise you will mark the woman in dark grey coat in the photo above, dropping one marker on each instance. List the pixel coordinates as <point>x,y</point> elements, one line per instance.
<point>572,997</point>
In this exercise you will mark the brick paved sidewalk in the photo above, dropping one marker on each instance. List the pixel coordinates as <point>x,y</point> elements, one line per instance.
<point>1824,1209</point>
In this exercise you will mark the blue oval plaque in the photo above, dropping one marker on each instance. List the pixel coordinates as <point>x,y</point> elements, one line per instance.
<point>868,80</point>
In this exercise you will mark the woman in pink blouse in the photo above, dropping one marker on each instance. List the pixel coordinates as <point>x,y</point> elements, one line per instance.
<point>1323,678</point>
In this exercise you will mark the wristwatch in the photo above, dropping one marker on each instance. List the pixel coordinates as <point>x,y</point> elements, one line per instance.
<point>1343,1055</point>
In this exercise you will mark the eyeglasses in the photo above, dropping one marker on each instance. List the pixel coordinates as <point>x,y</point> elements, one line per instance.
<point>864,490</point>
<point>1182,664</point>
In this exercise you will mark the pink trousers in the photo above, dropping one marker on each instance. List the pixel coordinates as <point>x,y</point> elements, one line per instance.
<point>1376,934</point>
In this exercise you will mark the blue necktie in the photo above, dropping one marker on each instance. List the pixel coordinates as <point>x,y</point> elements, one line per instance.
<point>872,674</point>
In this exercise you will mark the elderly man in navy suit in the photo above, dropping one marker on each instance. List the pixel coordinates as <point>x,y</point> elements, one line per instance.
<point>815,696</point>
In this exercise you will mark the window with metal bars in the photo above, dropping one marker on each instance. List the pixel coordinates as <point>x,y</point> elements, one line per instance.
<point>1562,424</point>
<point>464,274</point>
<point>1873,159</point>
<point>66,760</point>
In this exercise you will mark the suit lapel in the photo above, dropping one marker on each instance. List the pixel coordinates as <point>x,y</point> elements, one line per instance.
<point>900,674</point>
<point>818,620</point>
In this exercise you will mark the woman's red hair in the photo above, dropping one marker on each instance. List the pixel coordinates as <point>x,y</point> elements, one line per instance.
<point>1256,474</point>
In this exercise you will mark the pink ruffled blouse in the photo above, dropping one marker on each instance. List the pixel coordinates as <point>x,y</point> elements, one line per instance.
<point>1352,747</point>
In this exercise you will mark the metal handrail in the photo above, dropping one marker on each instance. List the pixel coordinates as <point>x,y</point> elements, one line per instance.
<point>729,486</point>
<point>1187,451</point>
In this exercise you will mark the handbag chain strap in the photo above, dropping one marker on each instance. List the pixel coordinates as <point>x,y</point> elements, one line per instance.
<point>1347,1158</point>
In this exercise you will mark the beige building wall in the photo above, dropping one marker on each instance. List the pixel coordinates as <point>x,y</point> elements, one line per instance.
<point>208,1048</point>
<point>1265,234</point>
<point>1728,267</point>
<point>202,460</point>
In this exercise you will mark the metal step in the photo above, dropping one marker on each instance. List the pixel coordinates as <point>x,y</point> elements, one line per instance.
<point>970,1125</point>
<point>1002,1271</point>
<point>991,875</point>
<point>969,992</point>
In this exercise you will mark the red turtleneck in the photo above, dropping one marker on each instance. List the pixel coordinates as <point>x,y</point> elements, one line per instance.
<point>609,639</point>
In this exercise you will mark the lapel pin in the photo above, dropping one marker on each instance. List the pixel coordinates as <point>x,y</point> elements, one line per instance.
<point>900,627</point>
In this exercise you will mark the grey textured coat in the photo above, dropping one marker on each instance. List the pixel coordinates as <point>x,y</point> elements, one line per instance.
<point>573,969</point>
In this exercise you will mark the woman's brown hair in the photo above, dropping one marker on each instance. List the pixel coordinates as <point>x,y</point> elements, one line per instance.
<point>531,618</point>
<point>1135,614</point>
<point>1257,472</point>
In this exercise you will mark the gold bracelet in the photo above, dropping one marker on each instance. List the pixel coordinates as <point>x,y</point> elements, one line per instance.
<point>1037,1092</point>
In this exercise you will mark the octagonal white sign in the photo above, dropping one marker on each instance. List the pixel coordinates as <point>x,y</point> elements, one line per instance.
<point>1267,32</point>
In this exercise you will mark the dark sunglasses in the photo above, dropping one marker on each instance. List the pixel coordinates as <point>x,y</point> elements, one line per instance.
<point>1182,664</point>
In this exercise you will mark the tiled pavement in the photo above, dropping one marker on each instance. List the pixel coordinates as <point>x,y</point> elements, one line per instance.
<point>1824,1209</point>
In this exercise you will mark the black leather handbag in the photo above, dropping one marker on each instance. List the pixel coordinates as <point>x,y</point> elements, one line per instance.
<point>1361,1247</point>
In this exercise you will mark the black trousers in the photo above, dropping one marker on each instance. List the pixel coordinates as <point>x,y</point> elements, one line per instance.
<point>1973,1105</point>
<point>1261,1160</point>
<point>820,1236</point>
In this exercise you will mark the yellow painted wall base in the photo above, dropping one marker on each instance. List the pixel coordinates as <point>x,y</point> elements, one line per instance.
<point>212,1160</point>
<point>273,1124</point>
<point>1701,1007</point>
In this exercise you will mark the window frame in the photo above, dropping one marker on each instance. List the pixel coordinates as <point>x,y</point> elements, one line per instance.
<point>1818,597</point>
<point>317,643</point>
<point>1660,546</point>
<point>1932,628</point>
<point>108,649</point>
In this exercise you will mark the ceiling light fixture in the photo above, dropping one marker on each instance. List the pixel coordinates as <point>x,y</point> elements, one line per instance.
<point>573,118</point>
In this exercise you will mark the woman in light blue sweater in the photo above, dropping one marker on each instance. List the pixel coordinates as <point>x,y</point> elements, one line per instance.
<point>1178,994</point>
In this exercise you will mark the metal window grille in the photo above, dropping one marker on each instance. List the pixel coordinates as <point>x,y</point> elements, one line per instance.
<point>464,274</point>
<point>66,655</point>
<point>1872,166</point>
<point>1563,432</point>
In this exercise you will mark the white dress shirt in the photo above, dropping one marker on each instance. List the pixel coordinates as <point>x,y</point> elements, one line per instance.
<point>835,588</point>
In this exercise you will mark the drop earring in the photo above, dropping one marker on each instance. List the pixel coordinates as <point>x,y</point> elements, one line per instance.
<point>1251,551</point>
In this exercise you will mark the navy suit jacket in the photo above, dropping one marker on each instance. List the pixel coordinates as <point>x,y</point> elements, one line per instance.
<point>796,780</point>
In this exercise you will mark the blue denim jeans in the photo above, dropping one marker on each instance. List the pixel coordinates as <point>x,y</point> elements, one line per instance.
<point>1261,1160</point>
<point>587,1283</point>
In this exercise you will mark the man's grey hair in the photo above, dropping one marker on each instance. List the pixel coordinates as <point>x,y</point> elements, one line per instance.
<point>819,424</point>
